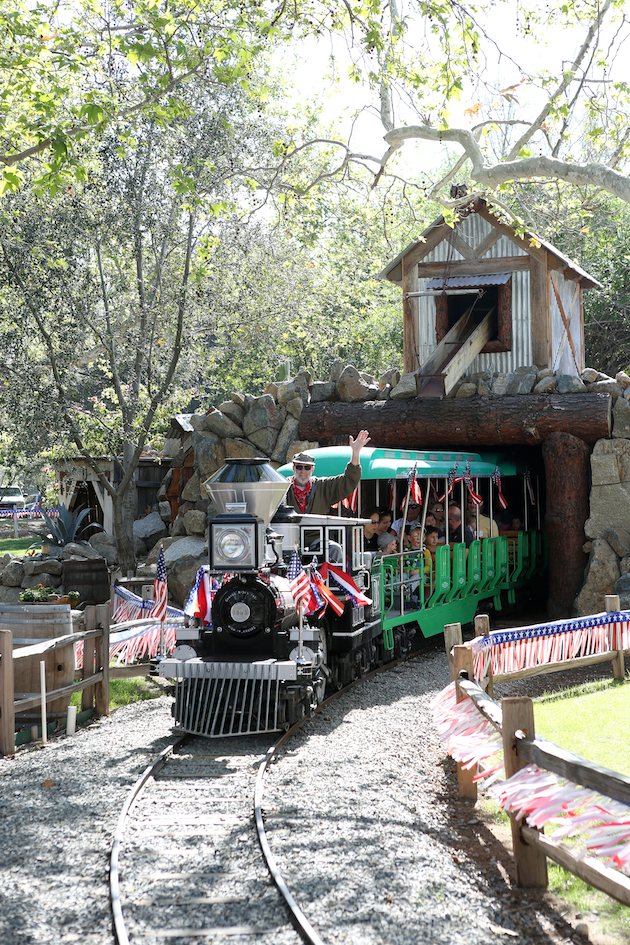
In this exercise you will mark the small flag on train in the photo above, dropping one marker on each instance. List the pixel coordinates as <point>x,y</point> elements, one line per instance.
<point>160,589</point>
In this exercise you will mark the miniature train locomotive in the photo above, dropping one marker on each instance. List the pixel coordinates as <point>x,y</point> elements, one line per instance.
<point>253,670</point>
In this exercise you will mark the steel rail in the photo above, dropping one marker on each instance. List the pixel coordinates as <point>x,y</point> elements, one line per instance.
<point>150,771</point>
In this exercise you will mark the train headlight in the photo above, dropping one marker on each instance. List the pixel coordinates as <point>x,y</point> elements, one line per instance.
<point>233,545</point>
<point>236,543</point>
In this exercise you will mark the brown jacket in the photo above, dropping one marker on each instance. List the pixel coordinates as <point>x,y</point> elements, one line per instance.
<point>327,491</point>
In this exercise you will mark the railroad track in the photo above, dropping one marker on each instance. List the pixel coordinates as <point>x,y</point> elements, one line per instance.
<point>190,860</point>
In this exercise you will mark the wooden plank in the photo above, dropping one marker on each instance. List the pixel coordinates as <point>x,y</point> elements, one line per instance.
<point>540,315</point>
<point>486,244</point>
<point>434,365</point>
<point>576,663</point>
<point>411,360</point>
<point>46,646</point>
<point>7,717</point>
<point>32,701</point>
<point>452,638</point>
<point>490,709</point>
<point>476,267</point>
<point>568,765</point>
<point>536,252</point>
<point>529,863</point>
<point>596,874</point>
<point>567,323</point>
<point>468,352</point>
<point>101,690</point>
<point>460,245</point>
<point>612,603</point>
<point>123,672</point>
<point>462,661</point>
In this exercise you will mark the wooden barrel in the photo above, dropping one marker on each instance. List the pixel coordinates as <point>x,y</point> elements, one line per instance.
<point>89,577</point>
<point>35,623</point>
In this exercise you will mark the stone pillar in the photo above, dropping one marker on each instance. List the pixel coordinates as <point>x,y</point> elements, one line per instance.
<point>566,461</point>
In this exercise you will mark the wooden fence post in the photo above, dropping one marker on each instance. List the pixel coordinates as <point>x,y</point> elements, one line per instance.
<point>87,696</point>
<point>462,659</point>
<point>482,629</point>
<point>7,711</point>
<point>102,660</point>
<point>613,606</point>
<point>452,637</point>
<point>529,863</point>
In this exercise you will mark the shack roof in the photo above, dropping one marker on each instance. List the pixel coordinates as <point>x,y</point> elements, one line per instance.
<point>393,270</point>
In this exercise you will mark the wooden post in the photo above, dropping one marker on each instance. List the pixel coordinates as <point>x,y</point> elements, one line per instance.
<point>7,711</point>
<point>102,660</point>
<point>452,637</point>
<point>42,689</point>
<point>529,863</point>
<point>482,629</point>
<point>87,695</point>
<point>613,606</point>
<point>462,660</point>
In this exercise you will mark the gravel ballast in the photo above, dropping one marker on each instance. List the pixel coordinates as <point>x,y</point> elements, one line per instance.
<point>361,812</point>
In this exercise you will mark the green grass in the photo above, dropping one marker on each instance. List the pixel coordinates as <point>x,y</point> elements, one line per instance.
<point>125,691</point>
<point>591,720</point>
<point>614,917</point>
<point>17,546</point>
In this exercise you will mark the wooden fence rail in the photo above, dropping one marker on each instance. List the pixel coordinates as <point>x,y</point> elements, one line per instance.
<point>94,684</point>
<point>514,719</point>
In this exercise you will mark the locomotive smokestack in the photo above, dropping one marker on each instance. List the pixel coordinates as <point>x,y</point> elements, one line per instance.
<point>252,481</point>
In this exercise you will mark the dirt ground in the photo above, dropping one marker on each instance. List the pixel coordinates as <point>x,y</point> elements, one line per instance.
<point>27,528</point>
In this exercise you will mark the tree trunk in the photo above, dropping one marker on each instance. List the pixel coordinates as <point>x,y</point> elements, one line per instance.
<point>466,423</point>
<point>567,470</point>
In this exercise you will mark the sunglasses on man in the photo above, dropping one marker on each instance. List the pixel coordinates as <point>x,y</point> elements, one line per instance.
<point>300,466</point>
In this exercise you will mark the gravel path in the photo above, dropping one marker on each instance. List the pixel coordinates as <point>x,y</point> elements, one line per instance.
<point>361,810</point>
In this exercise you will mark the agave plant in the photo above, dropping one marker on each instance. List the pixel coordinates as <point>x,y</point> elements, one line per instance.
<point>67,527</point>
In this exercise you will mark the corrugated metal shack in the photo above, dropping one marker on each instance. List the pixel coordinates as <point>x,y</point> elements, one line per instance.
<point>493,299</point>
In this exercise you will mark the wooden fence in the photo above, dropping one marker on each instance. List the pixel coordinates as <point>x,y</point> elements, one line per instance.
<point>513,718</point>
<point>18,652</point>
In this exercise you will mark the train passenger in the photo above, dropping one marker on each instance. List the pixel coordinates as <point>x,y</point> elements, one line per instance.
<point>484,522</point>
<point>315,496</point>
<point>387,544</point>
<point>438,511</point>
<point>455,527</point>
<point>413,513</point>
<point>371,531</point>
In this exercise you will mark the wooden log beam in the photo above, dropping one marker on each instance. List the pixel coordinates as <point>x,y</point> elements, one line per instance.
<point>567,471</point>
<point>464,423</point>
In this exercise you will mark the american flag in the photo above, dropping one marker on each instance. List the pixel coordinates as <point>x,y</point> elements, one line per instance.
<point>352,501</point>
<point>412,485</point>
<point>475,498</point>
<point>453,477</point>
<point>300,587</point>
<point>160,589</point>
<point>496,478</point>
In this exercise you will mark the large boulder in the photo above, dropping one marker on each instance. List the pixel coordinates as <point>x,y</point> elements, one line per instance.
<point>217,422</point>
<point>150,529</point>
<point>610,489</point>
<point>209,453</point>
<point>9,594</point>
<point>233,411</point>
<point>79,549</point>
<point>351,387</point>
<point>45,579</point>
<point>105,545</point>
<point>155,551</point>
<point>38,565</point>
<point>521,382</point>
<point>406,388</point>
<point>13,574</point>
<point>183,559</point>
<point>296,387</point>
<point>601,574</point>
<point>607,386</point>
<point>323,390</point>
<point>263,422</point>
<point>622,587</point>
<point>237,449</point>
<point>621,419</point>
<point>287,436</point>
<point>195,522</point>
<point>192,490</point>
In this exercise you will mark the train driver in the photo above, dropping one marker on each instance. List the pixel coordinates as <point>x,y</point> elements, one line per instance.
<point>307,494</point>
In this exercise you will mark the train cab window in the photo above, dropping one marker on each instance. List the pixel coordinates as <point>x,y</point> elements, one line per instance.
<point>336,546</point>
